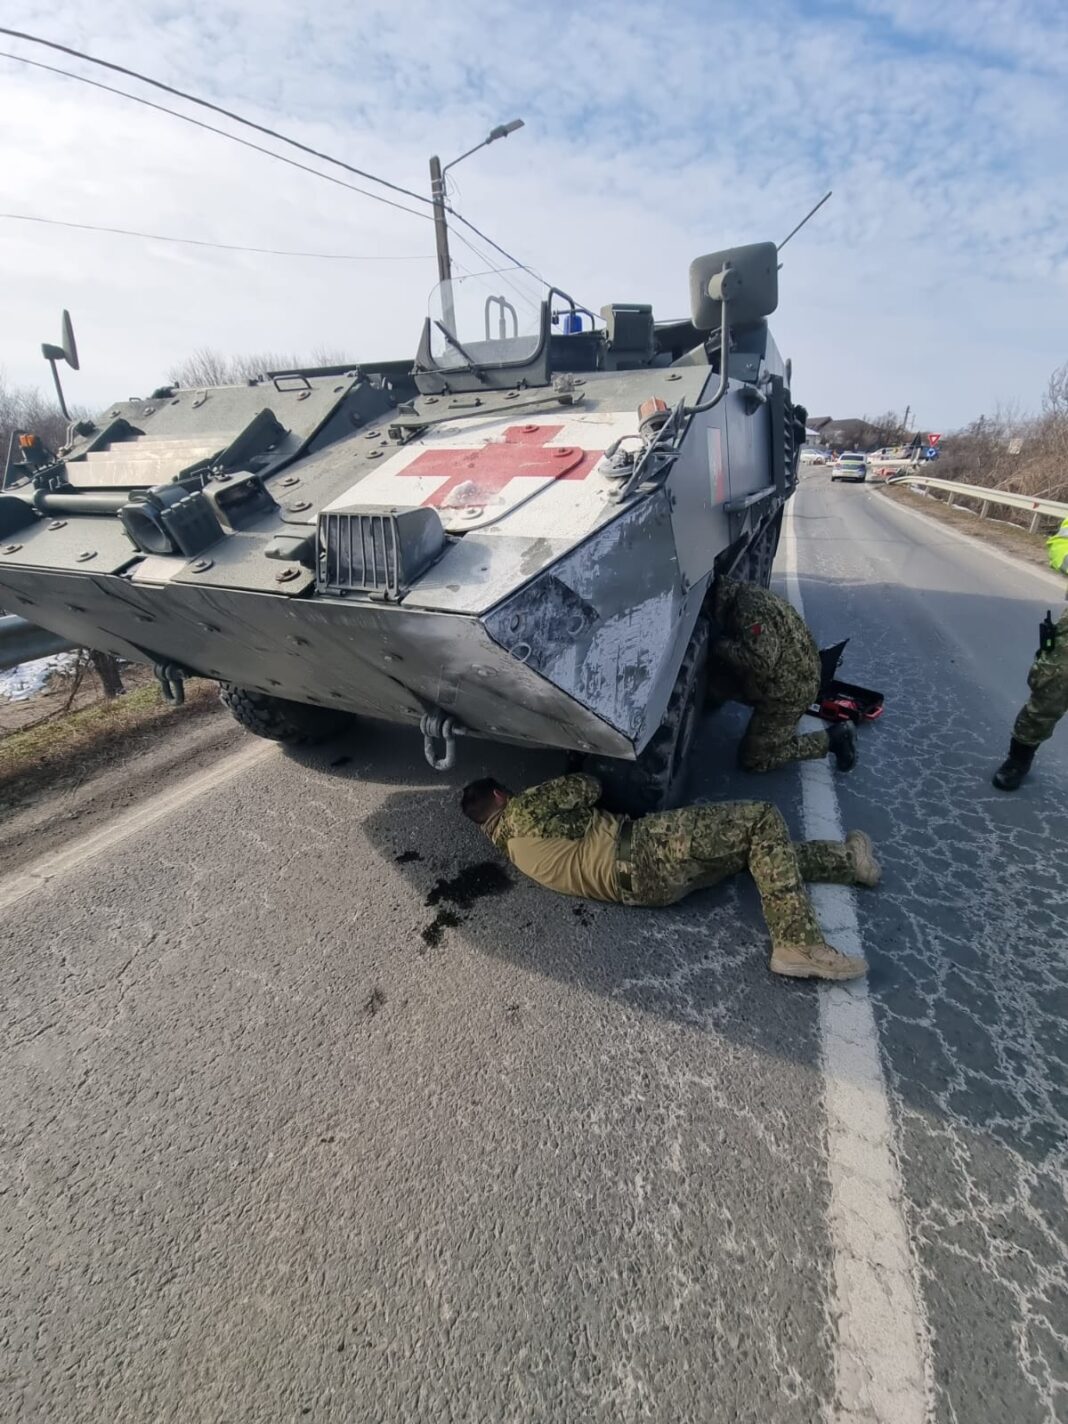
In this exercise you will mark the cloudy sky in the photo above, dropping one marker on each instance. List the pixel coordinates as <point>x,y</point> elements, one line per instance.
<point>937,275</point>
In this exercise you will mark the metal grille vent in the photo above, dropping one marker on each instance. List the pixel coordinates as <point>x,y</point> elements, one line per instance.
<point>358,553</point>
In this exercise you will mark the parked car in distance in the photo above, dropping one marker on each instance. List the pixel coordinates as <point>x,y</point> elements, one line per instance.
<point>811,455</point>
<point>851,466</point>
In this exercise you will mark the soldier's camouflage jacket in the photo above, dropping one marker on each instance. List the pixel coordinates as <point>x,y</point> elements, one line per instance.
<point>558,809</point>
<point>556,834</point>
<point>763,646</point>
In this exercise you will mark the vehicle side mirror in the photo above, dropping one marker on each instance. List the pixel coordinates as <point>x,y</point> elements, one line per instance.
<point>746,278</point>
<point>67,350</point>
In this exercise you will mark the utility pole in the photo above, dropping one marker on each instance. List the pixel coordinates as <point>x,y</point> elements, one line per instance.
<point>441,227</point>
<point>441,243</point>
<point>905,422</point>
<point>441,230</point>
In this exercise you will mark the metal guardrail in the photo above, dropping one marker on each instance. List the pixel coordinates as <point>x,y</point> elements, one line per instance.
<point>986,497</point>
<point>21,642</point>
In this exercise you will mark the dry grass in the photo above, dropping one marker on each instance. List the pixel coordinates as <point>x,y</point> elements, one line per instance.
<point>95,732</point>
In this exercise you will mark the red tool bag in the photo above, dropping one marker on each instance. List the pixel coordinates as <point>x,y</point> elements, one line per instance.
<point>843,701</point>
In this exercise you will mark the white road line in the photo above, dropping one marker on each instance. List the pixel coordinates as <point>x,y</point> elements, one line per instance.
<point>139,818</point>
<point>881,1331</point>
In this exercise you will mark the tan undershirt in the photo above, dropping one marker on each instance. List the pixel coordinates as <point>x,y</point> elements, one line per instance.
<point>586,867</point>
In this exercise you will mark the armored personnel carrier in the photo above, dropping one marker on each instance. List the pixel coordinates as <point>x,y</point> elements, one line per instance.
<point>512,538</point>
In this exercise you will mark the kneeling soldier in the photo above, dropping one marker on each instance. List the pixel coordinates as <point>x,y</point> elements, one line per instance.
<point>764,655</point>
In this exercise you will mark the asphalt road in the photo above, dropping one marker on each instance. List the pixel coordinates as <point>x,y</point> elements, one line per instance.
<point>283,1140</point>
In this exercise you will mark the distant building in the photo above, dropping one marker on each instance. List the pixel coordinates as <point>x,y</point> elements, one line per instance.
<point>850,434</point>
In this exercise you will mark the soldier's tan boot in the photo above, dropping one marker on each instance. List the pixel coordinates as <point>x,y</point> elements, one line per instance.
<point>867,869</point>
<point>816,961</point>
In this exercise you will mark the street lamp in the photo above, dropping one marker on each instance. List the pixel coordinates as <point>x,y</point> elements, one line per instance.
<point>437,195</point>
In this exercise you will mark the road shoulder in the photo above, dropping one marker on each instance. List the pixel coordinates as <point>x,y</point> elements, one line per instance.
<point>1008,540</point>
<point>41,815</point>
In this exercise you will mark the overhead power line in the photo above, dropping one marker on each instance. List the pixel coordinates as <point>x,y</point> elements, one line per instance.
<point>224,246</point>
<point>507,279</point>
<point>207,104</point>
<point>250,123</point>
<point>212,128</point>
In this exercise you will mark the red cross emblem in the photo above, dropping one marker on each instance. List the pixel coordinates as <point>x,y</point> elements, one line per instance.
<point>524,451</point>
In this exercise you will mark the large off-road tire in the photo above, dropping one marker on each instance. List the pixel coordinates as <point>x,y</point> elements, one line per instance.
<point>760,556</point>
<point>280,720</point>
<point>657,779</point>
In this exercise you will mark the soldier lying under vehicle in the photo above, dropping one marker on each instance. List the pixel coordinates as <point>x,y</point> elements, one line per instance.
<point>558,836</point>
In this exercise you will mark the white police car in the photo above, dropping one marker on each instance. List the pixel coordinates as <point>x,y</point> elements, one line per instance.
<point>851,466</point>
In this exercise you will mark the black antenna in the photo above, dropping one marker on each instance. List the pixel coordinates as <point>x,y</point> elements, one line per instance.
<point>804,220</point>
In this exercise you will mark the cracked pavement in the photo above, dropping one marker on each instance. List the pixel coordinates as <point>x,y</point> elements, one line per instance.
<point>966,938</point>
<point>267,1154</point>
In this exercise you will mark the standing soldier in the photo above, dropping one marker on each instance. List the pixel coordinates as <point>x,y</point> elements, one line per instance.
<point>764,655</point>
<point>556,834</point>
<point>1048,681</point>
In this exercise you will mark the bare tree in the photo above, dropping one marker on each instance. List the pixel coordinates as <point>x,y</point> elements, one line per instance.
<point>207,367</point>
<point>886,429</point>
<point>1027,454</point>
<point>203,368</point>
<point>331,356</point>
<point>1054,421</point>
<point>26,409</point>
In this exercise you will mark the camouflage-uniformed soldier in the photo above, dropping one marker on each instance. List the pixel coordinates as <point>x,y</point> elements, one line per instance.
<point>1048,681</point>
<point>765,656</point>
<point>556,834</point>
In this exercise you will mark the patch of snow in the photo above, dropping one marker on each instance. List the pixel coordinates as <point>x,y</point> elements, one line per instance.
<point>27,679</point>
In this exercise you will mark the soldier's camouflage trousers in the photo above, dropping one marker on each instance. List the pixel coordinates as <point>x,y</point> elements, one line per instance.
<point>673,853</point>
<point>1048,681</point>
<point>771,738</point>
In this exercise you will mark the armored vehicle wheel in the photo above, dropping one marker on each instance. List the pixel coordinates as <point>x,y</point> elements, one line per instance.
<point>655,781</point>
<point>278,719</point>
<point>756,568</point>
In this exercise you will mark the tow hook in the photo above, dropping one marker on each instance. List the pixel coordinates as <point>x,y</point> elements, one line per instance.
<point>171,678</point>
<point>437,727</point>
